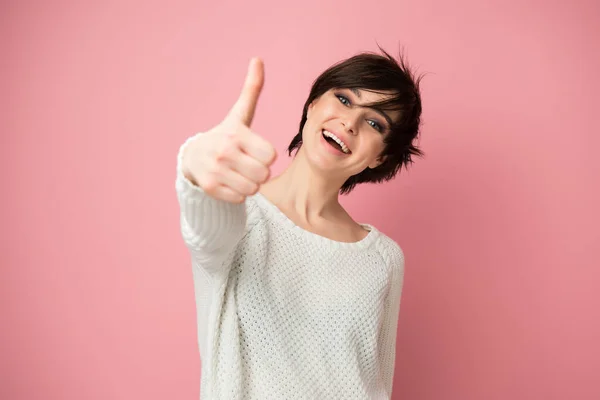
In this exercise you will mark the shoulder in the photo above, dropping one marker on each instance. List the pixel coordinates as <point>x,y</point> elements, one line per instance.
<point>391,252</point>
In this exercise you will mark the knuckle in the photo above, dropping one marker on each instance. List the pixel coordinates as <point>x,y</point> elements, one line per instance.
<point>233,137</point>
<point>236,198</point>
<point>239,199</point>
<point>214,168</point>
<point>220,156</point>
<point>272,154</point>
<point>264,174</point>
<point>210,185</point>
<point>252,188</point>
<point>224,153</point>
<point>268,153</point>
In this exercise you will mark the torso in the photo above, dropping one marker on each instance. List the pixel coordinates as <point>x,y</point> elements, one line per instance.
<point>301,316</point>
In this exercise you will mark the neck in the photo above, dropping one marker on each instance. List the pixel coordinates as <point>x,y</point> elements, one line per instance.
<point>306,192</point>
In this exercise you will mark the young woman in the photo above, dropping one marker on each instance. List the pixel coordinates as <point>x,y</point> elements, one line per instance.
<point>295,299</point>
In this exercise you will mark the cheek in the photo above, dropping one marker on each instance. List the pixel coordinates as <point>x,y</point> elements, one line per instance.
<point>309,127</point>
<point>317,116</point>
<point>325,109</point>
<point>374,148</point>
<point>329,110</point>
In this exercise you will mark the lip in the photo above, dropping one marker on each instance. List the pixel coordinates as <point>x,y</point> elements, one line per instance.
<point>330,148</point>
<point>342,137</point>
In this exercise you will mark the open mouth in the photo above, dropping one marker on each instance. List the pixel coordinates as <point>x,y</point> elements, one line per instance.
<point>335,142</point>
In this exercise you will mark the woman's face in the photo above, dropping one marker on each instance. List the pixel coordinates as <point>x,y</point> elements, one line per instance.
<point>339,115</point>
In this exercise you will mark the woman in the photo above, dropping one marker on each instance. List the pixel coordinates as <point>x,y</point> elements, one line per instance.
<point>296,300</point>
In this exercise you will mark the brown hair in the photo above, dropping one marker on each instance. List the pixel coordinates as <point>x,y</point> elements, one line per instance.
<point>376,73</point>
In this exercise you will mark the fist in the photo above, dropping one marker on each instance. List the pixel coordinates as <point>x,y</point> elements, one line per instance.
<point>230,162</point>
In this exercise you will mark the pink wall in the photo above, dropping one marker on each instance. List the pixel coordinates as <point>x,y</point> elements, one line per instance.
<point>498,222</point>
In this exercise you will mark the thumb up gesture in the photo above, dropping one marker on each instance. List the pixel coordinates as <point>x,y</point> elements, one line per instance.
<point>230,162</point>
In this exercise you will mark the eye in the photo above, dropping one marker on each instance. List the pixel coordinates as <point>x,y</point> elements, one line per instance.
<point>375,125</point>
<point>344,100</point>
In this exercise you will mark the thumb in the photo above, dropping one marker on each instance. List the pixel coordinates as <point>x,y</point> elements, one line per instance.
<point>244,108</point>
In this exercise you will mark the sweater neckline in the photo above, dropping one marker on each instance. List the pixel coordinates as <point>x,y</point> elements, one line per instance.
<point>280,216</point>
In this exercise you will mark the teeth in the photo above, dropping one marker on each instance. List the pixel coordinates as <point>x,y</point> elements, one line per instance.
<point>338,140</point>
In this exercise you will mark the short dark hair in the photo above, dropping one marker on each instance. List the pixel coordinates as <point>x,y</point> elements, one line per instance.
<point>376,73</point>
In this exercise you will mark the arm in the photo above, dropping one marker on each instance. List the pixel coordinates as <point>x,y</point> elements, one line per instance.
<point>210,227</point>
<point>216,171</point>
<point>387,336</point>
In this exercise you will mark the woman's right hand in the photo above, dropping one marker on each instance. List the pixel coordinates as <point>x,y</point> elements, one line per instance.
<point>230,162</point>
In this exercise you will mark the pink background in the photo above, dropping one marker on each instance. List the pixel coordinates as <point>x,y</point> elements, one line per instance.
<point>498,222</point>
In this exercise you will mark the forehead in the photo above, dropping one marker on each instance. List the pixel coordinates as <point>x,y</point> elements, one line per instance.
<point>366,97</point>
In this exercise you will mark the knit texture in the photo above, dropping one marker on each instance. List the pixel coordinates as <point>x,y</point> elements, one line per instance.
<point>284,313</point>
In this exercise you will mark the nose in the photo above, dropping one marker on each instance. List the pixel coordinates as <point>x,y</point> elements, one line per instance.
<point>349,123</point>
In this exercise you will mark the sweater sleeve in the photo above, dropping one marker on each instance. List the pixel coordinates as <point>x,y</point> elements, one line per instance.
<point>210,228</point>
<point>387,336</point>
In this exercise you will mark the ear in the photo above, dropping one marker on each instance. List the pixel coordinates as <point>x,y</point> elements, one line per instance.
<point>377,162</point>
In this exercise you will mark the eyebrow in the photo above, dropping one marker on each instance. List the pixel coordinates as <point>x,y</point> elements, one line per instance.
<point>377,110</point>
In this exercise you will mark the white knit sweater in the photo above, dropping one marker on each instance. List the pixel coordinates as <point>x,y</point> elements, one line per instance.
<point>284,313</point>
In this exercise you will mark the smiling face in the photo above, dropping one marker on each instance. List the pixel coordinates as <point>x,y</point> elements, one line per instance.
<point>343,135</point>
